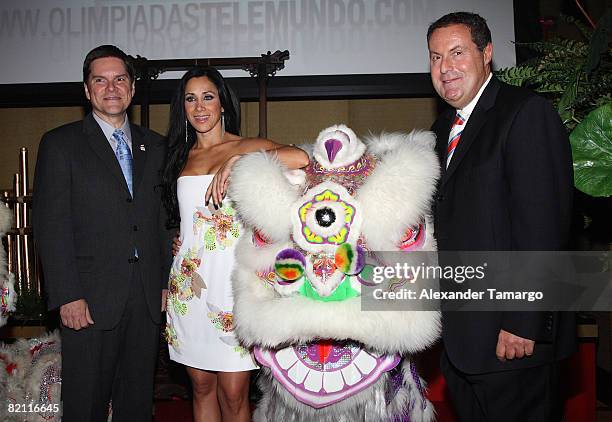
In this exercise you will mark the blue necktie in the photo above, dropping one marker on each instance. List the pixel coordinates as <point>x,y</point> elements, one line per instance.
<point>124,156</point>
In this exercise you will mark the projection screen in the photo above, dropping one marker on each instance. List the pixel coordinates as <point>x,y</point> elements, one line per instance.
<point>45,41</point>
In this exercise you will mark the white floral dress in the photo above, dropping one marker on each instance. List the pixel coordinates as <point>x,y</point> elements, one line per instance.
<point>199,327</point>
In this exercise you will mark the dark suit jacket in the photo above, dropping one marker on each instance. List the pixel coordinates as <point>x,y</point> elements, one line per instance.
<point>508,188</point>
<point>87,226</point>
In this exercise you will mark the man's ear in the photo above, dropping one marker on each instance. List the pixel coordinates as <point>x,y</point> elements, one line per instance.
<point>86,91</point>
<point>488,54</point>
<point>133,88</point>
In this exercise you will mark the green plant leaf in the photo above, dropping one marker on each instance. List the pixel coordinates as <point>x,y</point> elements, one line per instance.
<point>592,152</point>
<point>599,41</point>
<point>566,103</point>
<point>517,76</point>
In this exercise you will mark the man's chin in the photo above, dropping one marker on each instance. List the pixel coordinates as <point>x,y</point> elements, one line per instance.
<point>114,111</point>
<point>452,95</point>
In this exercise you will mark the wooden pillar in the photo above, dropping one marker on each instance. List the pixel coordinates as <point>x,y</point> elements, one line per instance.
<point>262,79</point>
<point>145,87</point>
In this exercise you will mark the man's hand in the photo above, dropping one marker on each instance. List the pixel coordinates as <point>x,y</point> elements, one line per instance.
<point>164,299</point>
<point>76,315</point>
<point>510,346</point>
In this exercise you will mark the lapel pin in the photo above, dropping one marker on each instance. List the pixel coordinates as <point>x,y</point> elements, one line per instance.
<point>142,148</point>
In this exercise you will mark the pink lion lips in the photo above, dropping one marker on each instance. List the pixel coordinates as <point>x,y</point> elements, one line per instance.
<point>325,372</point>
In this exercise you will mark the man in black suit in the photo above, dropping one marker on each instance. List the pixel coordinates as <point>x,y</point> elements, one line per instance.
<point>99,231</point>
<point>506,186</point>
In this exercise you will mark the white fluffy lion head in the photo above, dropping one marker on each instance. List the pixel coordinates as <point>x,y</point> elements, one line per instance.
<point>298,269</point>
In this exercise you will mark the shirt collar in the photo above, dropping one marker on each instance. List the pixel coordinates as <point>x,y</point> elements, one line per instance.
<point>108,129</point>
<point>466,111</point>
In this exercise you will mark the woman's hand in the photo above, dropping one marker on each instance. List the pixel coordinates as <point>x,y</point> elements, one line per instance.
<point>218,186</point>
<point>176,244</point>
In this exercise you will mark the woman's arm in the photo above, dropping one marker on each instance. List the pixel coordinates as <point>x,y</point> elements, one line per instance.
<point>291,156</point>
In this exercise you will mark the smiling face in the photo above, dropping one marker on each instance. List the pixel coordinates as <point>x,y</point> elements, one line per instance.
<point>202,104</point>
<point>109,89</point>
<point>458,68</point>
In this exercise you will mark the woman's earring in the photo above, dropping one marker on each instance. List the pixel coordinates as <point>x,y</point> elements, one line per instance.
<point>222,124</point>
<point>186,138</point>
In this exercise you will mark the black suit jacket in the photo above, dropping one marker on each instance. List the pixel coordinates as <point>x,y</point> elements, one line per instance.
<point>508,188</point>
<point>87,226</point>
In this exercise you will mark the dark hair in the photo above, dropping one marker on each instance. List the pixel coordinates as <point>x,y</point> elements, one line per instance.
<point>481,35</point>
<point>181,135</point>
<point>107,51</point>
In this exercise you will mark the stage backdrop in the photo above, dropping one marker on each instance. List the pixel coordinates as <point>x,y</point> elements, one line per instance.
<point>45,41</point>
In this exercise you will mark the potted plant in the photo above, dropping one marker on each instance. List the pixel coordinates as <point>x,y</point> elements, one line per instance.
<point>577,76</point>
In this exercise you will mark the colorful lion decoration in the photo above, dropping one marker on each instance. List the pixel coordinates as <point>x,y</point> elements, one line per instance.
<point>30,378</point>
<point>300,273</point>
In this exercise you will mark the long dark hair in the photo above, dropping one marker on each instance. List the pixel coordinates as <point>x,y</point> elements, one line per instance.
<point>181,135</point>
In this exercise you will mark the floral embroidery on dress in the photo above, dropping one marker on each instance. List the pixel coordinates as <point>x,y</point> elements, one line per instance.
<point>223,228</point>
<point>184,281</point>
<point>224,322</point>
<point>170,336</point>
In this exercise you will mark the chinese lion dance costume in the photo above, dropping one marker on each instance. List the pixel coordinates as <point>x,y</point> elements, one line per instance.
<point>30,379</point>
<point>298,277</point>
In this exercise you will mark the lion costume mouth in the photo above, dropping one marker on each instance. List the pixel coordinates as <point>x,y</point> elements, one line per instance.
<point>325,372</point>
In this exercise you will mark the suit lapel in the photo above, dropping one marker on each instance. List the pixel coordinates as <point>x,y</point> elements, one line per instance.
<point>139,154</point>
<point>98,142</point>
<point>472,129</point>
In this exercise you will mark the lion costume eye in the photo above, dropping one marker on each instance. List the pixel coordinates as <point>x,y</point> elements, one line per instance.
<point>289,268</point>
<point>325,219</point>
<point>350,259</point>
<point>325,216</point>
<point>289,265</point>
<point>259,239</point>
<point>413,238</point>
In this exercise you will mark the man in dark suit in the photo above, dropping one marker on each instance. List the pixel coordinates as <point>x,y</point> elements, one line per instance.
<point>506,186</point>
<point>99,231</point>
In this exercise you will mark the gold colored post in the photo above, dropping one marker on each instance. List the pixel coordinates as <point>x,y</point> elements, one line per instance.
<point>23,171</point>
<point>18,216</point>
<point>25,220</point>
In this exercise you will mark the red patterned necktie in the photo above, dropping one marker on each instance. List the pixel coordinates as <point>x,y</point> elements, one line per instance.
<point>454,136</point>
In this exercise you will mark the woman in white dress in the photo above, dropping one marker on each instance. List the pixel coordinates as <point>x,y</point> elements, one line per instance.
<point>202,147</point>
